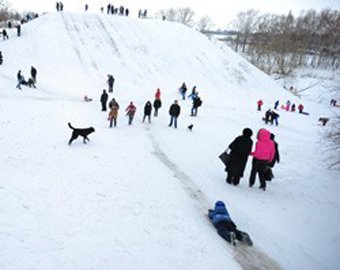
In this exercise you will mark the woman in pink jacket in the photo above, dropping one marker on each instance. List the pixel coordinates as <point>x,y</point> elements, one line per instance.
<point>264,154</point>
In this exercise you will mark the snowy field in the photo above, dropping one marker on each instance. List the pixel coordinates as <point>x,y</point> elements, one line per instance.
<point>136,197</point>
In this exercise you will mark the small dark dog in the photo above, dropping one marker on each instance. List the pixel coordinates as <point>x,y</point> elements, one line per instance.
<point>84,132</point>
<point>323,120</point>
<point>190,127</point>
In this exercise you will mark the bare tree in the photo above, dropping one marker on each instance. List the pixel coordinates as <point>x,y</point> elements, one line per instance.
<point>244,24</point>
<point>204,24</point>
<point>182,15</point>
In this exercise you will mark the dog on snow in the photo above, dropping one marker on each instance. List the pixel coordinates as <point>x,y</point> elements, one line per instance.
<point>84,132</point>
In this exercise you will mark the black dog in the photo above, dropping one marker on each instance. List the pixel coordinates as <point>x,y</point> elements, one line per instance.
<point>84,132</point>
<point>323,120</point>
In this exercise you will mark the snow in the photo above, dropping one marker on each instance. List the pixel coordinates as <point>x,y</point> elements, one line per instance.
<point>135,197</point>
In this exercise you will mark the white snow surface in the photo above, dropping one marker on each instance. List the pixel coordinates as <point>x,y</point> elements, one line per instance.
<point>136,197</point>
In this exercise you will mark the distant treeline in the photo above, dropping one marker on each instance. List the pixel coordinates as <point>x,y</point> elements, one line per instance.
<point>281,43</point>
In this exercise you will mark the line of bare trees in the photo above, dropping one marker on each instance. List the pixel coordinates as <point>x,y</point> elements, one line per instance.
<point>7,13</point>
<point>280,43</point>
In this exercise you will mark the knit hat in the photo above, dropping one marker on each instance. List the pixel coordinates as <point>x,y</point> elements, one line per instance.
<point>247,132</point>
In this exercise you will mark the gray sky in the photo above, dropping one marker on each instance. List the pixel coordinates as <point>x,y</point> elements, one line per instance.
<point>220,11</point>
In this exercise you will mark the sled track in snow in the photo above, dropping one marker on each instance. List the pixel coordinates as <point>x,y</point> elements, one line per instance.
<point>113,43</point>
<point>249,258</point>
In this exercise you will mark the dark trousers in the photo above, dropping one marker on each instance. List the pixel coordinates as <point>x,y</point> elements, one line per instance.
<point>148,116</point>
<point>110,88</point>
<point>224,229</point>
<point>194,111</point>
<point>130,119</point>
<point>258,166</point>
<point>173,119</point>
<point>104,106</point>
<point>156,112</point>
<point>231,179</point>
<point>113,120</point>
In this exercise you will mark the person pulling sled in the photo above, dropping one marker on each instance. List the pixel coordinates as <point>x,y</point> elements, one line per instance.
<point>226,228</point>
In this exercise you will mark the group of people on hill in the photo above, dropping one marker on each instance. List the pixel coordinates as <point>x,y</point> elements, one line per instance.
<point>265,155</point>
<point>59,6</point>
<point>271,115</point>
<point>196,100</point>
<point>333,102</point>
<point>174,109</point>
<point>112,10</point>
<point>30,82</point>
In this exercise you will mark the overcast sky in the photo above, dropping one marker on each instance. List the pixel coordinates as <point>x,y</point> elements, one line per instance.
<point>220,11</point>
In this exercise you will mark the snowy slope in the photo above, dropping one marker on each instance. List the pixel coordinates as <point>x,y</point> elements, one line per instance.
<point>135,197</point>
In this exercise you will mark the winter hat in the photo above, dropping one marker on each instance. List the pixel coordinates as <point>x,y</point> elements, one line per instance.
<point>219,204</point>
<point>247,132</point>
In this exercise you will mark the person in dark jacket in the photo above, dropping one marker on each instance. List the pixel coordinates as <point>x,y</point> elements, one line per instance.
<point>147,111</point>
<point>4,34</point>
<point>157,104</point>
<point>197,102</point>
<point>174,112</point>
<point>21,80</point>
<point>34,74</point>
<point>240,150</point>
<point>225,226</point>
<point>130,112</point>
<point>277,154</point>
<point>183,89</point>
<point>19,30</point>
<point>110,82</point>
<point>103,100</point>
<point>1,58</point>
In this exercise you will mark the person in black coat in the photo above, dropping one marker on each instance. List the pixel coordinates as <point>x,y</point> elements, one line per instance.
<point>277,154</point>
<point>195,104</point>
<point>34,74</point>
<point>174,112</point>
<point>157,104</point>
<point>240,150</point>
<point>1,58</point>
<point>110,82</point>
<point>147,111</point>
<point>103,99</point>
<point>4,34</point>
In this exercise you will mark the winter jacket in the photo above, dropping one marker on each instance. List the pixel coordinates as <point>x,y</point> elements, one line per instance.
<point>104,97</point>
<point>111,80</point>
<point>175,110</point>
<point>264,147</point>
<point>158,94</point>
<point>219,214</point>
<point>277,155</point>
<point>147,108</point>
<point>131,109</point>
<point>197,102</point>
<point>113,114</point>
<point>157,104</point>
<point>240,150</point>
<point>260,102</point>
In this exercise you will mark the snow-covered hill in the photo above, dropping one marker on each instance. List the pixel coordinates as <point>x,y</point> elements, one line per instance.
<point>135,197</point>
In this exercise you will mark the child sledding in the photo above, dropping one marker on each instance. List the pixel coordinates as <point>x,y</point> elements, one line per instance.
<point>226,228</point>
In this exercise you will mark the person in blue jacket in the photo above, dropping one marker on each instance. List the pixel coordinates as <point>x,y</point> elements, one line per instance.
<point>226,228</point>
